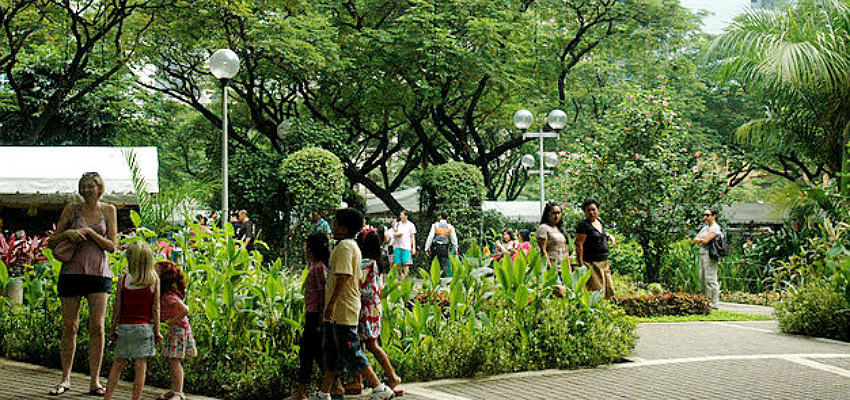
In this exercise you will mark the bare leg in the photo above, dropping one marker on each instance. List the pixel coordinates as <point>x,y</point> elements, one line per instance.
<point>371,378</point>
<point>176,367</point>
<point>393,380</point>
<point>328,381</point>
<point>140,365</point>
<point>68,345</point>
<point>115,376</point>
<point>97,319</point>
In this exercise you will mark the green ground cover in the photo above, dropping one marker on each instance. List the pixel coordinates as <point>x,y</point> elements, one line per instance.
<point>715,315</point>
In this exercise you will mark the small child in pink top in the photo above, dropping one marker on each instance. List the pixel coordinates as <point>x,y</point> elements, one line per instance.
<point>179,342</point>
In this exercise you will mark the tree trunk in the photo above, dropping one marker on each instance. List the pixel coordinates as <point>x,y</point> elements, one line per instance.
<point>652,257</point>
<point>844,179</point>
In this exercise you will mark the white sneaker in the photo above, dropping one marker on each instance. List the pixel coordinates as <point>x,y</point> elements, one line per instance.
<point>381,392</point>
<point>319,396</point>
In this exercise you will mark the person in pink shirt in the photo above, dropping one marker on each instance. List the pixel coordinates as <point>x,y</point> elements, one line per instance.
<point>179,342</point>
<point>318,252</point>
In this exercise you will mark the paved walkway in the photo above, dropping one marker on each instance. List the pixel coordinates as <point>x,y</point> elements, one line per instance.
<point>698,360</point>
<point>26,381</point>
<point>695,360</point>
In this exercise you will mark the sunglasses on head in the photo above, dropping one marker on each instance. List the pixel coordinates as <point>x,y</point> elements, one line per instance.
<point>707,214</point>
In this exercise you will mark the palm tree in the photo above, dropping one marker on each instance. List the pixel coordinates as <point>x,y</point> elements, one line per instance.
<point>798,58</point>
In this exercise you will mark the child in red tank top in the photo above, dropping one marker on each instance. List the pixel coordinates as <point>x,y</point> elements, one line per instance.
<point>135,320</point>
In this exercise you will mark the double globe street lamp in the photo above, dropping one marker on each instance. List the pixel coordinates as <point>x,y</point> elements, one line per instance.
<point>556,120</point>
<point>224,64</point>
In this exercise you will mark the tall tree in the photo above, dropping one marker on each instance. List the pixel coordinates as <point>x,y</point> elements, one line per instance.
<point>76,46</point>
<point>797,58</point>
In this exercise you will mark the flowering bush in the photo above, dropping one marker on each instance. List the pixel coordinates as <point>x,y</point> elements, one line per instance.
<point>17,253</point>
<point>667,303</point>
<point>648,172</point>
<point>758,299</point>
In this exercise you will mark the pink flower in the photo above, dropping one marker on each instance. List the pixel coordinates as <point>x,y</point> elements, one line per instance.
<point>649,96</point>
<point>695,168</point>
<point>665,103</point>
<point>660,76</point>
<point>562,153</point>
<point>636,156</point>
<point>697,154</point>
<point>663,87</point>
<point>687,123</point>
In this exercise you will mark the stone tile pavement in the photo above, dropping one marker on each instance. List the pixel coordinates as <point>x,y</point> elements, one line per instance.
<point>26,381</point>
<point>698,360</point>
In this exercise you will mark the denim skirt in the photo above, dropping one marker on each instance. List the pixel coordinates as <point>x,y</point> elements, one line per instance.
<point>135,341</point>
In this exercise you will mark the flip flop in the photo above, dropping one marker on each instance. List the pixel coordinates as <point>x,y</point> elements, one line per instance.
<point>398,392</point>
<point>353,391</point>
<point>59,390</point>
<point>99,392</point>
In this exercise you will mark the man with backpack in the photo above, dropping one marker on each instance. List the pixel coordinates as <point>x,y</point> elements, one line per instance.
<point>712,244</point>
<point>443,239</point>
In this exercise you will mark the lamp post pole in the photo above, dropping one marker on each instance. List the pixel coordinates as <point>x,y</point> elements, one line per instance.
<point>224,64</point>
<point>557,120</point>
<point>224,155</point>
<point>542,174</point>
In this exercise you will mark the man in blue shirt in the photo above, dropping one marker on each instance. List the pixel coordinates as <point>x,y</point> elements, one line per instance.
<point>320,225</point>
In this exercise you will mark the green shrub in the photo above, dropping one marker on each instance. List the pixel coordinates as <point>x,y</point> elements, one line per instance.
<point>661,304</point>
<point>313,180</point>
<point>627,258</point>
<point>680,267</point>
<point>246,316</point>
<point>815,309</point>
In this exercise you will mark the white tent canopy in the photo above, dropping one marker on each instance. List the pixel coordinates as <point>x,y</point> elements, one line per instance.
<point>408,198</point>
<point>49,175</point>
<point>525,211</point>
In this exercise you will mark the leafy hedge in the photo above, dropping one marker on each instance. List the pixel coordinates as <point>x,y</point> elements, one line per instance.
<point>816,309</point>
<point>247,316</point>
<point>667,303</point>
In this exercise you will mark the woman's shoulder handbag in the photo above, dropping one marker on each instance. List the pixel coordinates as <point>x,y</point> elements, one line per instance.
<point>63,250</point>
<point>717,248</point>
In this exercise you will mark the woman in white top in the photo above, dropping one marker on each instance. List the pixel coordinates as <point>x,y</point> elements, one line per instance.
<point>707,265</point>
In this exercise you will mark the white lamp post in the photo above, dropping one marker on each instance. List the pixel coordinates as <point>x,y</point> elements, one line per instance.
<point>557,120</point>
<point>224,64</point>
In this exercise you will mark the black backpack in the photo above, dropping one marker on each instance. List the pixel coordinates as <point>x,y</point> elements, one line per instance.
<point>718,247</point>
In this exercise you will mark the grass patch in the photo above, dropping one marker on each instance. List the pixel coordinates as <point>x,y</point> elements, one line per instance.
<point>715,315</point>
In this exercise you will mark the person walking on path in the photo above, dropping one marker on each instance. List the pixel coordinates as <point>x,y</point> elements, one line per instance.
<point>90,227</point>
<point>442,242</point>
<point>592,249</point>
<point>179,341</point>
<point>310,352</point>
<point>340,342</point>
<point>552,239</point>
<point>320,226</point>
<point>247,231</point>
<point>135,319</point>
<point>369,327</point>
<point>404,245</point>
<point>707,265</point>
